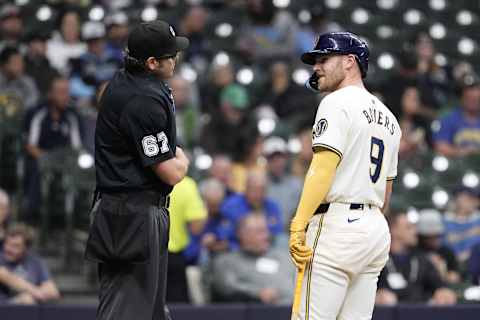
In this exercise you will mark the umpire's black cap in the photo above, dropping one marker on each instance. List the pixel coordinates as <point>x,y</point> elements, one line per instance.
<point>154,39</point>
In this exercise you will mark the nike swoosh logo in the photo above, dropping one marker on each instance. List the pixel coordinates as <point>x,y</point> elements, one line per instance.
<point>352,220</point>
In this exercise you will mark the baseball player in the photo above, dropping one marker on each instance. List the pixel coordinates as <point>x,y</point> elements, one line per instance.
<point>347,187</point>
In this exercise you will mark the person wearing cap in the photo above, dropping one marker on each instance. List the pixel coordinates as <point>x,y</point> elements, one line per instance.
<point>137,164</point>
<point>462,224</point>
<point>430,229</point>
<point>37,64</point>
<point>283,187</point>
<point>229,123</point>
<point>11,25</point>
<point>117,33</point>
<point>95,66</point>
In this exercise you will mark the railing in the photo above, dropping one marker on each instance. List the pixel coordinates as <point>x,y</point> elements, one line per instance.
<point>238,312</point>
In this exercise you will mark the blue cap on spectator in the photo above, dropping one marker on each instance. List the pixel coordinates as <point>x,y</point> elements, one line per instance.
<point>464,189</point>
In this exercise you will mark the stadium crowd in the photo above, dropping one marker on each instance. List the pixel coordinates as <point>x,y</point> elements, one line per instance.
<point>245,118</point>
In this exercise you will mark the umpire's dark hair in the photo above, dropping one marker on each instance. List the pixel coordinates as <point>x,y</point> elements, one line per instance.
<point>6,53</point>
<point>132,64</point>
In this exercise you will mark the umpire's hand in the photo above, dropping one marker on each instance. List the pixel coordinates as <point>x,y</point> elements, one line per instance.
<point>299,251</point>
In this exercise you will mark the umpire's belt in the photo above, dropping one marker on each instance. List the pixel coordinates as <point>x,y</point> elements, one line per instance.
<point>353,206</point>
<point>150,197</point>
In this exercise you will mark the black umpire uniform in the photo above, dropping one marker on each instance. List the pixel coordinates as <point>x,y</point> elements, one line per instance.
<point>129,218</point>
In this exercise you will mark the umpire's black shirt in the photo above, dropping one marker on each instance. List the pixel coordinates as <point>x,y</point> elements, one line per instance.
<point>135,129</point>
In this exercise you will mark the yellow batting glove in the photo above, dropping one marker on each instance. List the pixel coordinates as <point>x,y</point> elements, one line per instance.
<point>299,251</point>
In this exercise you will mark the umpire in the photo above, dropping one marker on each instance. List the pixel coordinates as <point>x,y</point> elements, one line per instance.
<point>137,164</point>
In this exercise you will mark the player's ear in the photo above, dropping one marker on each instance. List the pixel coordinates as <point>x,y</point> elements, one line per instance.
<point>349,61</point>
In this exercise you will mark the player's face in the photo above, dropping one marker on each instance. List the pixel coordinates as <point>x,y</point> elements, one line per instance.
<point>329,69</point>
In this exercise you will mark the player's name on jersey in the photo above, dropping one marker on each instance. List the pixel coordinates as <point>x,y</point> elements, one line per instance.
<point>377,117</point>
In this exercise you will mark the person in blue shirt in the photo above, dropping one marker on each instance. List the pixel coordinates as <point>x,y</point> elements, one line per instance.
<point>24,277</point>
<point>254,200</point>
<point>462,226</point>
<point>458,133</point>
<point>95,66</point>
<point>214,236</point>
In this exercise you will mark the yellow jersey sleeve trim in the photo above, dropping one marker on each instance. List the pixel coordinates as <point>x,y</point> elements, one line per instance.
<point>317,147</point>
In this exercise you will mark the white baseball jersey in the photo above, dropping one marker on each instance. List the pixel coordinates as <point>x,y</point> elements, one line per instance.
<point>366,135</point>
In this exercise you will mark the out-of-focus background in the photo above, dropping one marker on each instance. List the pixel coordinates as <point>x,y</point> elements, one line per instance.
<point>245,118</point>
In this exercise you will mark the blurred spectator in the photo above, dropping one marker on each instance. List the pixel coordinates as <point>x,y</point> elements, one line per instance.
<point>301,161</point>
<point>247,159</point>
<point>283,188</point>
<point>474,265</point>
<point>409,276</point>
<point>187,112</point>
<point>220,77</point>
<point>14,81</point>
<point>214,236</point>
<point>4,214</point>
<point>231,126</point>
<point>93,67</point>
<point>290,101</point>
<point>462,226</point>
<point>267,33</point>
<point>36,62</point>
<point>117,34</point>
<point>408,75</point>
<point>52,126</point>
<point>430,74</point>
<point>187,216</point>
<point>11,25</point>
<point>319,23</point>
<point>430,230</point>
<point>193,25</point>
<point>24,277</point>
<point>458,133</point>
<point>221,170</point>
<point>253,200</point>
<point>256,272</point>
<point>65,43</point>
<point>415,127</point>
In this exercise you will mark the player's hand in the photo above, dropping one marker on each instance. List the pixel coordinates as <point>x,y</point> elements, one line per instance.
<point>299,251</point>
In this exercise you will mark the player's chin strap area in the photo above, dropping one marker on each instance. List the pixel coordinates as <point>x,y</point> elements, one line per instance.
<point>312,83</point>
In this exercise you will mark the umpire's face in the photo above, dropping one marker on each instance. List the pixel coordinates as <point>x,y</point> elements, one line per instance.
<point>162,67</point>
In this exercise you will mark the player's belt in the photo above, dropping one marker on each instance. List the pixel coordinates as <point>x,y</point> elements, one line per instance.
<point>353,206</point>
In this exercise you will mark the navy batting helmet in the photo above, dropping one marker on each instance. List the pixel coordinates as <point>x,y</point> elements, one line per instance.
<point>340,43</point>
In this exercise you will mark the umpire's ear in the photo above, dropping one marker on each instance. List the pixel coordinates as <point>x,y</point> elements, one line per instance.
<point>312,83</point>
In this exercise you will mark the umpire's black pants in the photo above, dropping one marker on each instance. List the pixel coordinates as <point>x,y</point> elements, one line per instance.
<point>129,238</point>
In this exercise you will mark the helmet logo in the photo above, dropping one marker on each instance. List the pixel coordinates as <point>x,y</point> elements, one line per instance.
<point>171,31</point>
